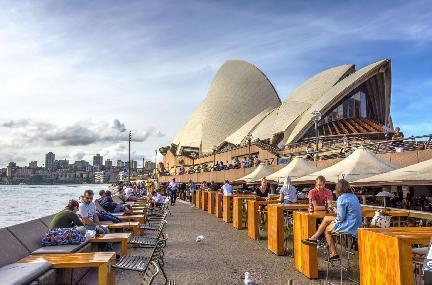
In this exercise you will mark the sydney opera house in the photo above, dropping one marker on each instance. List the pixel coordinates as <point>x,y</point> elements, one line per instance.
<point>242,103</point>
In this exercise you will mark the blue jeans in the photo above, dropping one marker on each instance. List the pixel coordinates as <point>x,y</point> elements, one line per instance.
<point>173,196</point>
<point>106,246</point>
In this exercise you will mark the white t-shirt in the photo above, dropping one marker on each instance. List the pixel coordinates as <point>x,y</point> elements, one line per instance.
<point>158,198</point>
<point>128,192</point>
<point>227,189</point>
<point>87,210</point>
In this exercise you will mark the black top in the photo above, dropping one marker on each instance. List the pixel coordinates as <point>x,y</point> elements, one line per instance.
<point>107,203</point>
<point>262,194</point>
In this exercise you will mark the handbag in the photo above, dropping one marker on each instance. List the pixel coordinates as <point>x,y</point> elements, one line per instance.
<point>381,220</point>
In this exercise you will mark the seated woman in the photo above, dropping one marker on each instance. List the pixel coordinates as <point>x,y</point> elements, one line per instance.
<point>288,193</point>
<point>262,191</point>
<point>348,219</point>
<point>67,218</point>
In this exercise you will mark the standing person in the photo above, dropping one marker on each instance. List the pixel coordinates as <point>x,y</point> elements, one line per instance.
<point>318,195</point>
<point>67,218</point>
<point>87,211</point>
<point>347,220</point>
<point>397,140</point>
<point>213,186</point>
<point>227,189</point>
<point>172,188</point>
<point>288,193</point>
<point>192,189</point>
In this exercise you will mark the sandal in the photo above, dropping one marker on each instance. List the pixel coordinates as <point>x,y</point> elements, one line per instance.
<point>308,241</point>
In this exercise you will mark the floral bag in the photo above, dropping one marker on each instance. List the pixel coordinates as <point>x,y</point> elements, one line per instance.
<point>62,236</point>
<point>381,220</point>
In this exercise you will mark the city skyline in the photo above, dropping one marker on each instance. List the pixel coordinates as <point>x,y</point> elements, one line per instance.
<point>77,76</point>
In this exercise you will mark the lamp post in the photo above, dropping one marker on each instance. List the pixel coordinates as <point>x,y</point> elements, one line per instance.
<point>214,154</point>
<point>193,155</point>
<point>316,118</point>
<point>129,173</point>
<point>155,164</point>
<point>249,140</point>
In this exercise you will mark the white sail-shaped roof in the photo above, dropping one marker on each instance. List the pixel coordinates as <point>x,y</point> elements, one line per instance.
<point>238,92</point>
<point>261,171</point>
<point>416,174</point>
<point>360,164</point>
<point>298,167</point>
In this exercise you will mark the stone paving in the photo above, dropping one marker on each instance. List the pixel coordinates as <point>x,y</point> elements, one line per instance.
<point>222,258</point>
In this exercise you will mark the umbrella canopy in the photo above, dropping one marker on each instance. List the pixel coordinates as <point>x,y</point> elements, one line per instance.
<point>298,167</point>
<point>416,174</point>
<point>360,164</point>
<point>261,171</point>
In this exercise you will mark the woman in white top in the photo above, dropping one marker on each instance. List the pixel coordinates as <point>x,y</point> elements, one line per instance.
<point>288,193</point>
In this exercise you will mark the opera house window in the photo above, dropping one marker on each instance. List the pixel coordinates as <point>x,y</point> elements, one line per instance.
<point>352,107</point>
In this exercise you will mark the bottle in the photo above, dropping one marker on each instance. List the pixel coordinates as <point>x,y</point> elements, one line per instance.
<point>326,205</point>
<point>311,206</point>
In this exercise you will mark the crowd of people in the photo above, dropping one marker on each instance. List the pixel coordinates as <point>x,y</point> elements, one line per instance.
<point>236,163</point>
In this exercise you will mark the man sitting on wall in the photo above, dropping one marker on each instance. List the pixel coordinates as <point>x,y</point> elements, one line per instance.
<point>108,204</point>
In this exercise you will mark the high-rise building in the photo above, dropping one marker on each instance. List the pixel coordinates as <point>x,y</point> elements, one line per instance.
<point>33,164</point>
<point>149,165</point>
<point>10,169</point>
<point>98,160</point>
<point>134,164</point>
<point>63,164</point>
<point>120,163</point>
<point>108,164</point>
<point>50,161</point>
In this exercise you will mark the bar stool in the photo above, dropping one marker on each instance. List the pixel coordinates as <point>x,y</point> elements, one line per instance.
<point>244,214</point>
<point>289,234</point>
<point>262,213</point>
<point>346,245</point>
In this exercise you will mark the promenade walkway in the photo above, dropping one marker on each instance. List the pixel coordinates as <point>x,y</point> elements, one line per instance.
<point>224,255</point>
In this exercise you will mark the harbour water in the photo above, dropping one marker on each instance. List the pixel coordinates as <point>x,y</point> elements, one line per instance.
<point>21,203</point>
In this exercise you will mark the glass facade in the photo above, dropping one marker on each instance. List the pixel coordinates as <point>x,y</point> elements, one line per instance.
<point>353,107</point>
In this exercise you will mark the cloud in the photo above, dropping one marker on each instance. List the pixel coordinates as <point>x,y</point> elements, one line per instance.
<point>81,133</point>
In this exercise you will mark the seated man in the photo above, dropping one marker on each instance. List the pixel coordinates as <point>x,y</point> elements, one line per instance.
<point>129,194</point>
<point>108,204</point>
<point>67,218</point>
<point>87,211</point>
<point>320,194</point>
<point>348,219</point>
<point>227,189</point>
<point>156,199</point>
<point>101,195</point>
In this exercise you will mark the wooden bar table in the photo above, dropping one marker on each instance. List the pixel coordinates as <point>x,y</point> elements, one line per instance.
<point>253,216</point>
<point>211,200</point>
<point>219,205</point>
<point>385,255</point>
<point>305,225</point>
<point>276,225</point>
<point>114,238</point>
<point>204,200</point>
<point>227,209</point>
<point>138,218</point>
<point>102,260</point>
<point>198,194</point>
<point>238,210</point>
<point>134,226</point>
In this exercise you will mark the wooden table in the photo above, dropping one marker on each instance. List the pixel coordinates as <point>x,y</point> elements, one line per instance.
<point>385,255</point>
<point>198,201</point>
<point>134,226</point>
<point>253,216</point>
<point>305,225</point>
<point>211,200</point>
<point>238,203</point>
<point>138,218</point>
<point>276,225</point>
<point>227,209</point>
<point>114,238</point>
<point>204,200</point>
<point>102,260</point>
<point>219,205</point>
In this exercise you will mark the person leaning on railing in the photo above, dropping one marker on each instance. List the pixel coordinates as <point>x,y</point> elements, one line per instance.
<point>347,220</point>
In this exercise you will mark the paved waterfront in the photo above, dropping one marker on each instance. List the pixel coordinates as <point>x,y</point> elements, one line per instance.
<point>223,256</point>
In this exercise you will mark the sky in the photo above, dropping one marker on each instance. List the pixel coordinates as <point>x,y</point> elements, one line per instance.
<point>76,76</point>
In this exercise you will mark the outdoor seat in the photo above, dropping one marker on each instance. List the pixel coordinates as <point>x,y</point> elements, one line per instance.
<point>70,248</point>
<point>347,246</point>
<point>22,273</point>
<point>147,242</point>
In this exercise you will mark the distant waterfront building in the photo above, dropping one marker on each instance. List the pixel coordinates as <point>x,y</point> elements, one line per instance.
<point>63,164</point>
<point>100,177</point>
<point>10,169</point>
<point>33,164</point>
<point>120,163</point>
<point>108,164</point>
<point>149,165</point>
<point>80,165</point>
<point>134,164</point>
<point>89,168</point>
<point>98,160</point>
<point>50,161</point>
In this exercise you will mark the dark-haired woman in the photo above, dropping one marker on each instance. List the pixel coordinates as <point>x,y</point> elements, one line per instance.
<point>67,218</point>
<point>347,220</point>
